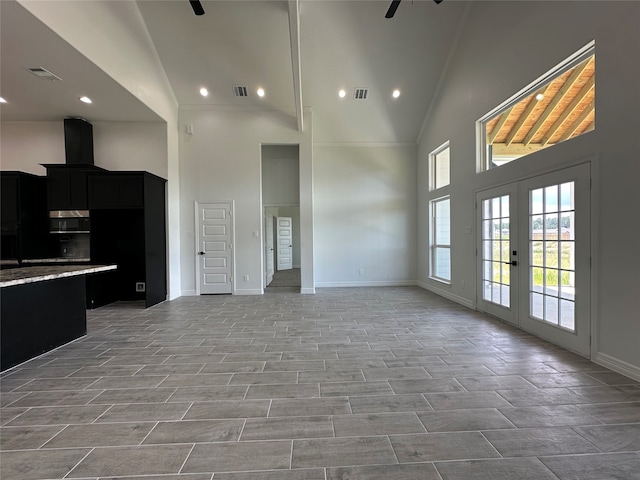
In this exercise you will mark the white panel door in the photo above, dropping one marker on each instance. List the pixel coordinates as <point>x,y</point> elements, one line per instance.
<point>268,226</point>
<point>284,243</point>
<point>214,247</point>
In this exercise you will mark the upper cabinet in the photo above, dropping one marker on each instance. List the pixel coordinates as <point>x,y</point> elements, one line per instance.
<point>67,186</point>
<point>117,189</point>
<point>24,216</point>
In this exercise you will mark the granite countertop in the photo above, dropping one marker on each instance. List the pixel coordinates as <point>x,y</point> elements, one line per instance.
<point>20,276</point>
<point>55,260</point>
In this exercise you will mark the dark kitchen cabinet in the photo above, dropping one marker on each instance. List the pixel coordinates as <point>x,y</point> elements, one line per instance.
<point>128,228</point>
<point>67,186</point>
<point>116,190</point>
<point>25,227</point>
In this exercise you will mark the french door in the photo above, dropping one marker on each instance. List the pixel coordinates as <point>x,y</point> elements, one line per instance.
<point>534,255</point>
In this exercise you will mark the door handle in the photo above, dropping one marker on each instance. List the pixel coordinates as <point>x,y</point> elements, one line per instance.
<point>200,253</point>
<point>514,263</point>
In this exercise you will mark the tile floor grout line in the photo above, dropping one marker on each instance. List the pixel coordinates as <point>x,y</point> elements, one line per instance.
<point>149,433</point>
<point>66,475</point>
<point>193,446</point>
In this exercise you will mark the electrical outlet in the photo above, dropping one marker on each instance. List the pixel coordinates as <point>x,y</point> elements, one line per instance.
<point>246,278</point>
<point>361,272</point>
<point>141,287</point>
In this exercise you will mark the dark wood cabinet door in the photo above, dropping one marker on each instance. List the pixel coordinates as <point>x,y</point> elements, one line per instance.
<point>131,190</point>
<point>9,203</point>
<point>77,190</point>
<point>58,190</point>
<point>116,190</point>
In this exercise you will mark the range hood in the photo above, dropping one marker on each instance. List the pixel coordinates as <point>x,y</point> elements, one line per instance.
<point>78,141</point>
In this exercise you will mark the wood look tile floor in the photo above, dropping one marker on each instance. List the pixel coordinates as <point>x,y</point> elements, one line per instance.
<point>359,384</point>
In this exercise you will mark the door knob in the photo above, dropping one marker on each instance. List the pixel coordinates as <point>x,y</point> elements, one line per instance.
<point>514,263</point>
<point>200,253</point>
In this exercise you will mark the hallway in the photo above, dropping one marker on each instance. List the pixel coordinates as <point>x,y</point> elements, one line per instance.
<point>352,383</point>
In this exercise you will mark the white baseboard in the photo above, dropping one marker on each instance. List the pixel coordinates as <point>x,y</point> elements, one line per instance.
<point>308,291</point>
<point>249,291</point>
<point>400,283</point>
<point>447,294</point>
<point>620,366</point>
<point>188,293</point>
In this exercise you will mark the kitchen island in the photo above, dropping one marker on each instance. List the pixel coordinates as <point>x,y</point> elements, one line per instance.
<point>42,308</point>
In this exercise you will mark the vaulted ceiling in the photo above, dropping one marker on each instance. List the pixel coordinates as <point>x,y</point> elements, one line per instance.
<point>300,52</point>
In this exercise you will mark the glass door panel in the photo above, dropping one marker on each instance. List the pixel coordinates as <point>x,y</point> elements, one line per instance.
<point>552,255</point>
<point>557,208</point>
<point>496,252</point>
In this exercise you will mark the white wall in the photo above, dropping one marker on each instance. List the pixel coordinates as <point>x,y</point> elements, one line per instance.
<point>365,211</point>
<point>131,146</point>
<point>486,70</point>
<point>26,145</point>
<point>221,161</point>
<point>116,146</point>
<point>280,175</point>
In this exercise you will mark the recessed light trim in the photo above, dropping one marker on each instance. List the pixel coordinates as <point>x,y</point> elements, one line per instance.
<point>85,99</point>
<point>396,93</point>
<point>2,100</point>
<point>204,92</point>
<point>539,96</point>
<point>342,93</point>
<point>260,92</point>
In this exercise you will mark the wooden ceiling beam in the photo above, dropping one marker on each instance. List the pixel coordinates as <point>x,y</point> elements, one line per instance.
<point>575,75</point>
<point>571,129</point>
<point>525,115</point>
<point>503,118</point>
<point>503,150</point>
<point>586,88</point>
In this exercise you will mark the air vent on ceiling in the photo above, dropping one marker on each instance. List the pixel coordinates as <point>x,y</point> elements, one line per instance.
<point>361,93</point>
<point>43,73</point>
<point>240,91</point>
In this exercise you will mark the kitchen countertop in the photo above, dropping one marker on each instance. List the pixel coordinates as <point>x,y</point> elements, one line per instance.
<point>20,276</point>
<point>55,260</point>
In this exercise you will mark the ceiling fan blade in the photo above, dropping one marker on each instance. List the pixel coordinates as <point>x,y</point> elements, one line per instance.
<point>392,9</point>
<point>197,7</point>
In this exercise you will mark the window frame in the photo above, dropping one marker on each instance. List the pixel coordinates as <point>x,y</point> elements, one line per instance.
<point>432,166</point>
<point>482,148</point>
<point>433,246</point>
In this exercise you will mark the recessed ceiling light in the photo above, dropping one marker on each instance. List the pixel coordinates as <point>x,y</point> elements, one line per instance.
<point>2,100</point>
<point>539,97</point>
<point>260,92</point>
<point>204,92</point>
<point>342,93</point>
<point>396,93</point>
<point>85,99</point>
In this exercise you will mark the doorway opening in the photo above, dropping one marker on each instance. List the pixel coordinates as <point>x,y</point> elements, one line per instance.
<point>281,218</point>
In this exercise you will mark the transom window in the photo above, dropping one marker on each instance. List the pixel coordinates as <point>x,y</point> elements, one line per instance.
<point>439,167</point>
<point>558,106</point>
